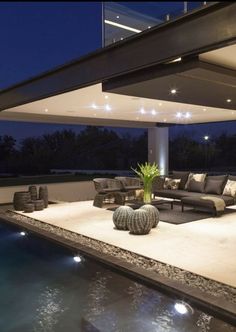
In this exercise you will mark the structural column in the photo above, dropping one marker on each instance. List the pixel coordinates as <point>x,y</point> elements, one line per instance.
<point>158,148</point>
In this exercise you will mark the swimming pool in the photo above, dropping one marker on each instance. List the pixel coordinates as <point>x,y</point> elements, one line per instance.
<point>42,288</point>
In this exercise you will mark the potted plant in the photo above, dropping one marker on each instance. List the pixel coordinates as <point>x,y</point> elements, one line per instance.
<point>147,173</point>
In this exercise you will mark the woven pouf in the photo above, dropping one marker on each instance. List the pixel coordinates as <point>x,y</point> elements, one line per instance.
<point>38,204</point>
<point>121,217</point>
<point>29,207</point>
<point>139,222</point>
<point>33,192</point>
<point>153,214</point>
<point>20,199</point>
<point>43,194</point>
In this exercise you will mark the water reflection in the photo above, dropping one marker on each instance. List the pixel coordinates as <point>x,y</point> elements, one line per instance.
<point>49,310</point>
<point>203,322</point>
<point>97,310</point>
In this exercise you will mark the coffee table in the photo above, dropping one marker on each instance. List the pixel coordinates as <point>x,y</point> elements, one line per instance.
<point>154,202</point>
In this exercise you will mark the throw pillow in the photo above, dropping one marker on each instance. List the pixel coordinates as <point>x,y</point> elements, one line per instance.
<point>172,184</point>
<point>230,188</point>
<point>214,186</point>
<point>196,186</point>
<point>183,176</point>
<point>195,176</point>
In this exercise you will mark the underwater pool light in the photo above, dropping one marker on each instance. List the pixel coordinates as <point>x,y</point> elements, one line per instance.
<point>183,308</point>
<point>77,259</point>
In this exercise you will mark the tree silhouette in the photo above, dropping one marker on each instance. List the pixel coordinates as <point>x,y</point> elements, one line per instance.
<point>100,148</point>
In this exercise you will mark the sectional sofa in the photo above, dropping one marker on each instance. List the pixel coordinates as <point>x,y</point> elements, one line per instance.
<point>201,191</point>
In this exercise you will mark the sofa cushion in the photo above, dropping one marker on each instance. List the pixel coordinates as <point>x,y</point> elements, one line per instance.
<point>196,186</point>
<point>195,176</point>
<point>183,176</point>
<point>214,186</point>
<point>228,200</point>
<point>172,184</point>
<point>175,194</point>
<point>217,177</point>
<point>230,188</point>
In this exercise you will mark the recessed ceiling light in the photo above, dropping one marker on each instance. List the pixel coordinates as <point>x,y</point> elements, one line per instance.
<point>160,104</point>
<point>106,97</point>
<point>46,110</point>
<point>22,233</point>
<point>204,109</point>
<point>187,115</point>
<point>173,91</point>
<point>228,100</point>
<point>206,137</point>
<point>164,120</point>
<point>149,27</point>
<point>137,118</point>
<point>107,107</point>
<point>179,115</point>
<point>121,38</point>
<point>153,112</point>
<point>233,113</point>
<point>117,16</point>
<point>95,114</point>
<point>94,106</point>
<point>142,111</point>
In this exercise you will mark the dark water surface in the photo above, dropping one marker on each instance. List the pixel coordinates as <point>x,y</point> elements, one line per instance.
<point>42,289</point>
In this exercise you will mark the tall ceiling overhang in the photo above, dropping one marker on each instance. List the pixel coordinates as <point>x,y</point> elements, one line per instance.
<point>141,66</point>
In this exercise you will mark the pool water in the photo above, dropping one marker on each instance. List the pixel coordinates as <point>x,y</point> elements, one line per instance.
<point>42,289</point>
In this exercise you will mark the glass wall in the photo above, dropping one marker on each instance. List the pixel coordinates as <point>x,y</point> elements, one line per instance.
<point>123,19</point>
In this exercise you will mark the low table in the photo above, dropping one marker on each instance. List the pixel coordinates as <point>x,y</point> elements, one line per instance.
<point>154,202</point>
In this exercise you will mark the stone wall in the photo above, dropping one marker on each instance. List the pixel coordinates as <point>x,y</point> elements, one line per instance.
<point>66,191</point>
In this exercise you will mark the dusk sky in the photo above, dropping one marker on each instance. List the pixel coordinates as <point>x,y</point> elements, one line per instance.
<point>38,36</point>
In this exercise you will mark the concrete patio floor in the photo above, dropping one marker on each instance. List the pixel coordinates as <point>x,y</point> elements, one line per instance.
<point>206,247</point>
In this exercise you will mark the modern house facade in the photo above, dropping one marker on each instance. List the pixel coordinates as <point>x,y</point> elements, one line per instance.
<point>175,261</point>
<point>180,71</point>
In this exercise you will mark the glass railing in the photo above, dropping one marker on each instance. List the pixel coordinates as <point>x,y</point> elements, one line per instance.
<point>123,19</point>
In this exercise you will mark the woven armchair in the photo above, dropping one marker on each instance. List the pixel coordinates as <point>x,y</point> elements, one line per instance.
<point>129,183</point>
<point>108,188</point>
<point>105,185</point>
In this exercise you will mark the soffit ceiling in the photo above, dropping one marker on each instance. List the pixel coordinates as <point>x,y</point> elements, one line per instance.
<point>208,80</point>
<point>225,57</point>
<point>92,104</point>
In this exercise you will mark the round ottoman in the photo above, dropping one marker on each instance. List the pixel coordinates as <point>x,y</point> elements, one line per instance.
<point>153,214</point>
<point>33,192</point>
<point>29,207</point>
<point>139,222</point>
<point>38,204</point>
<point>20,199</point>
<point>43,194</point>
<point>121,216</point>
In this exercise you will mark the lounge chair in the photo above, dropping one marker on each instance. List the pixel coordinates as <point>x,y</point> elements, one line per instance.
<point>108,188</point>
